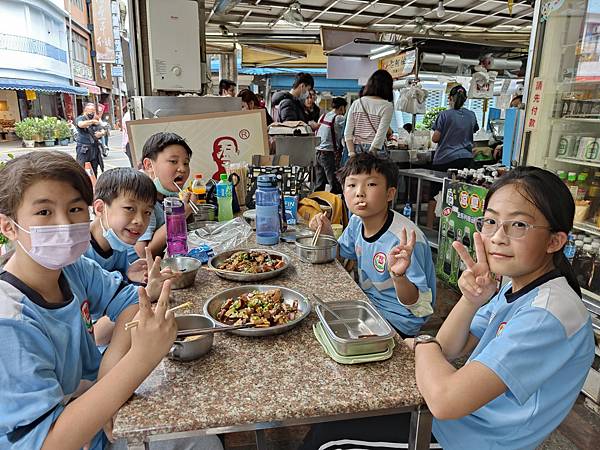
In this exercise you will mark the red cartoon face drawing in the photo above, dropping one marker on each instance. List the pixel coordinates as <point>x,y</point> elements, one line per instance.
<point>224,149</point>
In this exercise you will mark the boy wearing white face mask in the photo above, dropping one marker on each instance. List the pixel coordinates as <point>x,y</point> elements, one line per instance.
<point>123,204</point>
<point>166,160</point>
<point>57,390</point>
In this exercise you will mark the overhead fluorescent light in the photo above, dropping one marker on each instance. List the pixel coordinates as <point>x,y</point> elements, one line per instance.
<point>383,54</point>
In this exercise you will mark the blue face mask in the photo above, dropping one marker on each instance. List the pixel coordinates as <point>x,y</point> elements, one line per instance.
<point>161,189</point>
<point>113,240</point>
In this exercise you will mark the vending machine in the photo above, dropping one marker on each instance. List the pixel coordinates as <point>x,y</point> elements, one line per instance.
<point>562,128</point>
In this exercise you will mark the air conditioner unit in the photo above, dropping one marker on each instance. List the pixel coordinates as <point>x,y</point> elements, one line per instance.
<point>174,45</point>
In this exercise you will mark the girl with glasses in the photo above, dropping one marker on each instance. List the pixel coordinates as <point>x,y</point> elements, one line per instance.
<point>530,344</point>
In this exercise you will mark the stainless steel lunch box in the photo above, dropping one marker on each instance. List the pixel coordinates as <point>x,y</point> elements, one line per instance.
<point>363,319</point>
<point>325,251</point>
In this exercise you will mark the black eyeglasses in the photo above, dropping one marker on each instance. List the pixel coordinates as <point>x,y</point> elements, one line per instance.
<point>512,228</point>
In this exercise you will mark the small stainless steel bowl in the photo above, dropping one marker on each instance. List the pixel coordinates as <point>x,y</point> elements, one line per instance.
<point>190,350</point>
<point>188,267</point>
<point>325,251</point>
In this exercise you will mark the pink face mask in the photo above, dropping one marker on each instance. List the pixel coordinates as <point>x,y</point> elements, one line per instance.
<point>57,246</point>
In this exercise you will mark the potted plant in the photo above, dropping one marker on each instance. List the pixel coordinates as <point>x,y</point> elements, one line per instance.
<point>47,125</point>
<point>62,132</point>
<point>26,130</point>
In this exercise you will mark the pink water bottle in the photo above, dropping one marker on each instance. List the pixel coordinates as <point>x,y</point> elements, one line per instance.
<point>176,226</point>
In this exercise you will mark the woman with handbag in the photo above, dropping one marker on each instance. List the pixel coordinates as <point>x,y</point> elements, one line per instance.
<point>370,116</point>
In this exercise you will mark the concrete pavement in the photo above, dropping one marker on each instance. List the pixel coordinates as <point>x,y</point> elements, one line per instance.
<point>116,155</point>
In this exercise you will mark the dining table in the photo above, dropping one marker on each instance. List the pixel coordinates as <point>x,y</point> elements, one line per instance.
<point>257,383</point>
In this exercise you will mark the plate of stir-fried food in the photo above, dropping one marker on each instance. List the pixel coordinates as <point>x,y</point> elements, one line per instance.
<point>249,264</point>
<point>271,309</point>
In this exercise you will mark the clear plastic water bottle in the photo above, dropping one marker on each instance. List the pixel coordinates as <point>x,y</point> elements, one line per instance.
<point>268,201</point>
<point>176,226</point>
<point>570,248</point>
<point>225,199</point>
<point>407,211</point>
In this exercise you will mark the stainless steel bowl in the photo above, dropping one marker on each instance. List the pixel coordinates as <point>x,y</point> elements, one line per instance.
<point>359,318</point>
<point>250,216</point>
<point>213,305</point>
<point>248,277</point>
<point>188,267</point>
<point>325,251</point>
<point>192,349</point>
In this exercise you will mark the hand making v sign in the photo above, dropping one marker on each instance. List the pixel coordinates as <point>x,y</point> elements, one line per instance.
<point>399,256</point>
<point>476,283</point>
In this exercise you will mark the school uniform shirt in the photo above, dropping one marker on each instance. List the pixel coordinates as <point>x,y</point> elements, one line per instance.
<point>157,220</point>
<point>109,260</point>
<point>539,341</point>
<point>48,355</point>
<point>375,279</point>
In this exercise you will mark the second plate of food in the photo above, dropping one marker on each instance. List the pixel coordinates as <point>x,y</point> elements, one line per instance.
<point>249,265</point>
<point>273,309</point>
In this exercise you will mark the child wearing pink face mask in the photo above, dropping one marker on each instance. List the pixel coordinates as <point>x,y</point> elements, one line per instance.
<point>57,390</point>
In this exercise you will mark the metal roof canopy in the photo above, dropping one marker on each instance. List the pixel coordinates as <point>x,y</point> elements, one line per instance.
<point>487,19</point>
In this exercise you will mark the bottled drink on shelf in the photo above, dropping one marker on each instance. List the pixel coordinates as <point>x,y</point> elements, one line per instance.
<point>570,248</point>
<point>225,199</point>
<point>582,186</point>
<point>176,226</point>
<point>572,184</point>
<point>449,250</point>
<point>594,194</point>
<point>584,266</point>
<point>199,189</point>
<point>407,211</point>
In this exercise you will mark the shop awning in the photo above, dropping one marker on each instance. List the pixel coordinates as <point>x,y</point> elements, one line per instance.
<point>39,86</point>
<point>90,86</point>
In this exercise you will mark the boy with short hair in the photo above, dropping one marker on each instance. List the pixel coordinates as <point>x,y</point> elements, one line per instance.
<point>57,390</point>
<point>402,289</point>
<point>166,160</point>
<point>124,199</point>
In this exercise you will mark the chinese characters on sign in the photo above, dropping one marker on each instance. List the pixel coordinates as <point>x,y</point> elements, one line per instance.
<point>103,31</point>
<point>535,105</point>
<point>400,65</point>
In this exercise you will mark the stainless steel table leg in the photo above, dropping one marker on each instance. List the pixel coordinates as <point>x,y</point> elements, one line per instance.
<point>420,429</point>
<point>418,201</point>
<point>261,440</point>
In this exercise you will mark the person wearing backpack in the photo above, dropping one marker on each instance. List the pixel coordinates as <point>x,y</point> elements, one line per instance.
<point>329,151</point>
<point>370,116</point>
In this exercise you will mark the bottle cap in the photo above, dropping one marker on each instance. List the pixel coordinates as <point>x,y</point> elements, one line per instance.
<point>266,181</point>
<point>223,177</point>
<point>578,242</point>
<point>572,176</point>
<point>587,247</point>
<point>582,176</point>
<point>198,176</point>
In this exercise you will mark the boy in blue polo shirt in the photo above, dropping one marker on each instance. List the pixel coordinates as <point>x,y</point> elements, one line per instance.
<point>123,203</point>
<point>402,290</point>
<point>57,390</point>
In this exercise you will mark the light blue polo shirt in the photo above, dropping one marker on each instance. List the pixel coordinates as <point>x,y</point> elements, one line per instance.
<point>48,354</point>
<point>539,341</point>
<point>374,277</point>
<point>109,260</point>
<point>457,127</point>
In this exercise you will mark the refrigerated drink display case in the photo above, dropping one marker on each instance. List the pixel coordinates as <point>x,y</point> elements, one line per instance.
<point>562,127</point>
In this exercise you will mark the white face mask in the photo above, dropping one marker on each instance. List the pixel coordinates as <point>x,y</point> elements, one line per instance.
<point>111,237</point>
<point>57,246</point>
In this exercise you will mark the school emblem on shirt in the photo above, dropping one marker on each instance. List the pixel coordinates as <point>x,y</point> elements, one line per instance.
<point>500,329</point>
<point>87,317</point>
<point>379,262</point>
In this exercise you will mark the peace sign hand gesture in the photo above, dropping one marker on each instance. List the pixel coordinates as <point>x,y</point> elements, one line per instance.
<point>476,283</point>
<point>399,257</point>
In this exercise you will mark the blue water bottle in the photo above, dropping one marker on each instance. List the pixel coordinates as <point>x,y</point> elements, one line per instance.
<point>268,200</point>
<point>570,248</point>
<point>407,211</point>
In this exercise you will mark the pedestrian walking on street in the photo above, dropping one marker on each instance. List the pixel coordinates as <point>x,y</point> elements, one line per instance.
<point>87,149</point>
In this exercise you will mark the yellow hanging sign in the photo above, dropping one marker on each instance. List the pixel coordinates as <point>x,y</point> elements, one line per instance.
<point>30,95</point>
